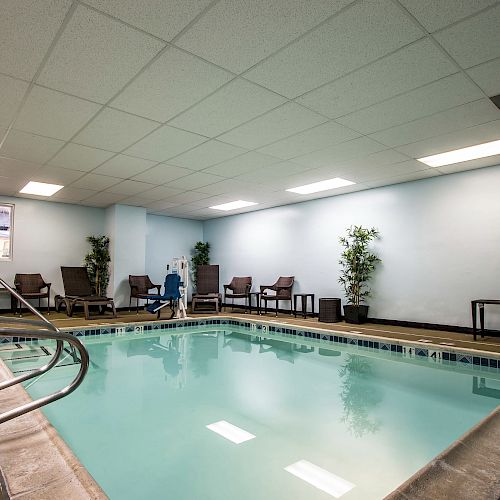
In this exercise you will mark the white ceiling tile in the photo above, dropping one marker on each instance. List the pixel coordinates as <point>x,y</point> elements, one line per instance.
<point>27,27</point>
<point>96,56</point>
<point>29,147</point>
<point>338,154</point>
<point>310,140</point>
<point>53,114</point>
<point>135,201</point>
<point>56,175</point>
<point>159,205</point>
<point>162,174</point>
<point>235,103</point>
<point>359,35</point>
<point>408,68</point>
<point>467,115</point>
<point>165,143</point>
<point>487,76</point>
<point>475,40</point>
<point>374,172</point>
<point>279,170</point>
<point>72,195</point>
<point>123,166</point>
<point>172,83</point>
<point>195,181</point>
<point>95,182</point>
<point>437,96</point>
<point>398,179</point>
<point>162,18</point>
<point>236,34</point>
<point>129,188</point>
<point>114,130</point>
<point>277,124</point>
<point>454,140</point>
<point>186,197</point>
<point>237,188</point>
<point>78,157</point>
<point>206,155</point>
<point>160,193</point>
<point>103,200</point>
<point>11,95</point>
<point>470,165</point>
<point>241,164</point>
<point>438,14</point>
<point>381,158</point>
<point>12,168</point>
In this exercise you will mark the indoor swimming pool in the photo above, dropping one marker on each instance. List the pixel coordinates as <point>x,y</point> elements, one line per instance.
<point>226,414</point>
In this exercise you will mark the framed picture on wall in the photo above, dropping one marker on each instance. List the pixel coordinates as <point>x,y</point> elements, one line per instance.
<point>6,231</point>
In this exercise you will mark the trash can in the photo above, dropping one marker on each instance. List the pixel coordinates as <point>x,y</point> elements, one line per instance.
<point>330,310</point>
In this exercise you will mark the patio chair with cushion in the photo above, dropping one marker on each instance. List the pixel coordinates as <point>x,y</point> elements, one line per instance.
<point>78,291</point>
<point>30,287</point>
<point>239,288</point>
<point>139,289</point>
<point>283,291</point>
<point>207,288</point>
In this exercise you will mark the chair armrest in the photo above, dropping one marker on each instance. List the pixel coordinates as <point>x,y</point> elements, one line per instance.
<point>226,287</point>
<point>48,285</point>
<point>248,287</point>
<point>266,287</point>
<point>158,287</point>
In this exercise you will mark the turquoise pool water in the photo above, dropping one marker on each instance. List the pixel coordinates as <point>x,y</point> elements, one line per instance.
<point>138,422</point>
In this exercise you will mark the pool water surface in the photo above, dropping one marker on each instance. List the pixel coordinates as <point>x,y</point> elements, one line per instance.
<point>139,421</point>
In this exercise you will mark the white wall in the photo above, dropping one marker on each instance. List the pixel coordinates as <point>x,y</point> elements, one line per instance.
<point>166,238</point>
<point>48,235</point>
<point>440,245</point>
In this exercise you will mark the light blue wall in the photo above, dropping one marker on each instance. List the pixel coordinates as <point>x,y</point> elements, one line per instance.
<point>166,238</point>
<point>48,235</point>
<point>126,227</point>
<point>440,245</point>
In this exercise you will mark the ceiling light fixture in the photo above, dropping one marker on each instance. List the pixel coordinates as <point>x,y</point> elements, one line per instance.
<point>315,187</point>
<point>40,188</point>
<point>463,154</point>
<point>233,205</point>
<point>230,431</point>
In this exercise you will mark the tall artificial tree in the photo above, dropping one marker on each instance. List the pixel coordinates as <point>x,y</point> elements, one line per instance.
<point>97,263</point>
<point>201,256</point>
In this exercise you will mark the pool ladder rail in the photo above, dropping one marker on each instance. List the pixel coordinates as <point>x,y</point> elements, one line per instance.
<point>46,331</point>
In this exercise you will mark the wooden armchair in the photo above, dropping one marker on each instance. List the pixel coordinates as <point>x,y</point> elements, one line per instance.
<point>30,287</point>
<point>282,287</point>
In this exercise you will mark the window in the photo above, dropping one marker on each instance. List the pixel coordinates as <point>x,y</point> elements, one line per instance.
<point>6,231</point>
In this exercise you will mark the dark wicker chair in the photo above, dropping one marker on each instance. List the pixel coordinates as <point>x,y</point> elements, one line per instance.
<point>239,288</point>
<point>139,289</point>
<point>78,291</point>
<point>30,287</point>
<point>283,288</point>
<point>207,288</point>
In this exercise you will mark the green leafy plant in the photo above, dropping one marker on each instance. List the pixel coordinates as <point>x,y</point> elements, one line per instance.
<point>97,263</point>
<point>357,262</point>
<point>201,256</point>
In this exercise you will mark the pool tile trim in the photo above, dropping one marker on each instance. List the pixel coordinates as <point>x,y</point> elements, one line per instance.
<point>439,354</point>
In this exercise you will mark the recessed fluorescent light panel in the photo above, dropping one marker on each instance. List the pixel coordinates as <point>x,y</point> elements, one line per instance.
<point>40,188</point>
<point>320,478</point>
<point>321,186</point>
<point>230,431</point>
<point>233,205</point>
<point>464,154</point>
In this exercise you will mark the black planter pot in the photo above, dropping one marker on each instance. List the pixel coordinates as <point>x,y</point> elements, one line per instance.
<point>355,314</point>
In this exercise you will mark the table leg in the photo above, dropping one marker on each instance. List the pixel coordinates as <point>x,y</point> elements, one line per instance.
<point>312,304</point>
<point>295,306</point>
<point>481,319</point>
<point>304,305</point>
<point>474,319</point>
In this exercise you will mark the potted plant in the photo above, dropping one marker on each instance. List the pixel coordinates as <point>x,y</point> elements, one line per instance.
<point>97,263</point>
<point>358,264</point>
<point>201,256</point>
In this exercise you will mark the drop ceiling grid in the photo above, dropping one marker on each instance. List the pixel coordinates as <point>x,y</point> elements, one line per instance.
<point>209,170</point>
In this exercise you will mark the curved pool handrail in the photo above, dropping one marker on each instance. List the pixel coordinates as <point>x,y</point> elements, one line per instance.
<point>49,332</point>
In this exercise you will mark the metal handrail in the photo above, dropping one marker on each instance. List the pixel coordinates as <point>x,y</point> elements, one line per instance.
<point>48,331</point>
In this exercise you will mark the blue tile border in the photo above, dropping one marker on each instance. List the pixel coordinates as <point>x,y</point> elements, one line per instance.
<point>473,360</point>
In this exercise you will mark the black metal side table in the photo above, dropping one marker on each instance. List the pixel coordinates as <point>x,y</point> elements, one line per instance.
<point>257,301</point>
<point>480,303</point>
<point>303,303</point>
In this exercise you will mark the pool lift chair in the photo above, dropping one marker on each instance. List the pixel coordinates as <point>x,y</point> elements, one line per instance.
<point>171,297</point>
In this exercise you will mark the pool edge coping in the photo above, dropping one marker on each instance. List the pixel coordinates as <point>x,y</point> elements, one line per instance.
<point>33,442</point>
